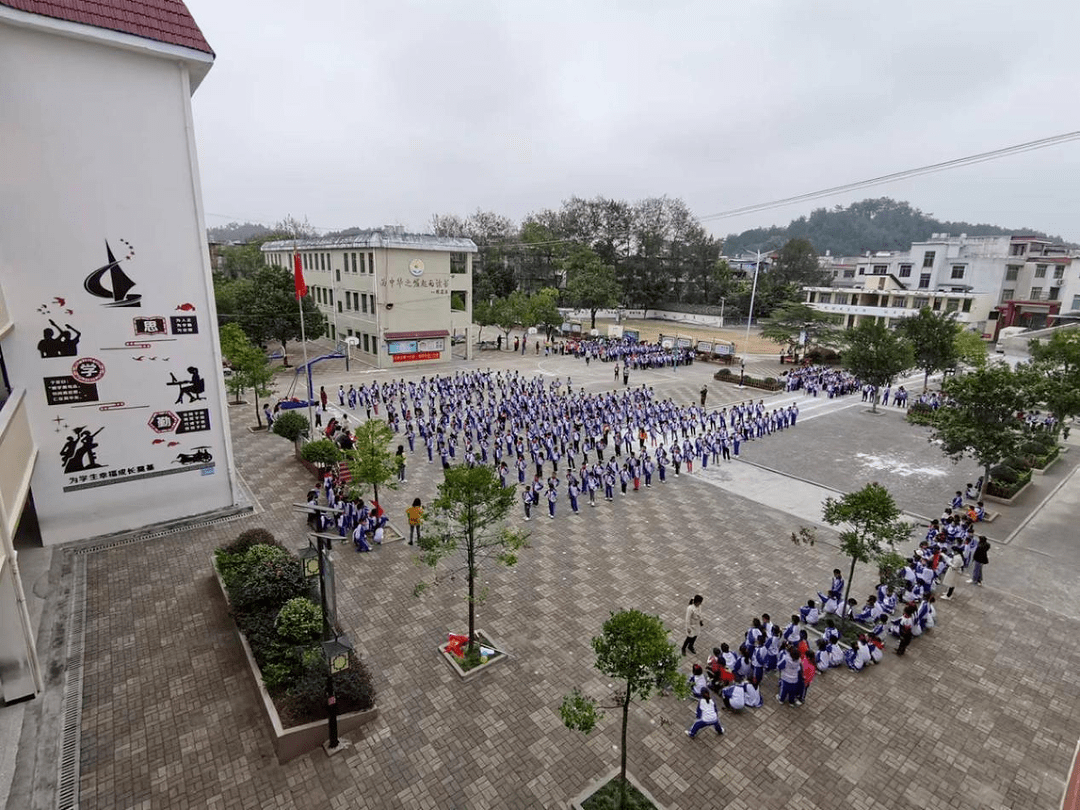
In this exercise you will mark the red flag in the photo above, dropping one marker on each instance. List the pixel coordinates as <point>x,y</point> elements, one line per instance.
<point>298,277</point>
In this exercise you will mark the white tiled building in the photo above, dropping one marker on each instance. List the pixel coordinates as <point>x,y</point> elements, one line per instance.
<point>403,296</point>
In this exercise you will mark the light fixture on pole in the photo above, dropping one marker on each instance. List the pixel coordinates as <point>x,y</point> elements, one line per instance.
<point>753,292</point>
<point>317,563</point>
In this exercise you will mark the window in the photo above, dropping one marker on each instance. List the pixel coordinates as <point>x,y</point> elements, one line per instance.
<point>967,305</point>
<point>1017,250</point>
<point>899,301</point>
<point>338,275</point>
<point>924,281</point>
<point>354,262</point>
<point>1036,293</point>
<point>905,271</point>
<point>841,298</point>
<point>458,263</point>
<point>849,274</point>
<point>862,271</point>
<point>1040,271</point>
<point>371,263</point>
<point>881,269</point>
<point>366,348</point>
<point>928,258</point>
<point>373,302</point>
<point>330,297</point>
<point>339,306</point>
<point>363,302</point>
<point>825,298</point>
<point>1007,295</point>
<point>1059,271</point>
<point>952,305</point>
<point>936,306</point>
<point>1011,272</point>
<point>1076,302</point>
<point>356,301</point>
<point>322,261</point>
<point>1054,291</point>
<point>958,271</point>
<point>920,302</point>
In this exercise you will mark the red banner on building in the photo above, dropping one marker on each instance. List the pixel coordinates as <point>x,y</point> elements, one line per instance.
<point>405,358</point>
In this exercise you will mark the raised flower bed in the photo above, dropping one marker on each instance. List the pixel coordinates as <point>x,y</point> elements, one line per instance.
<point>489,654</point>
<point>278,627</point>
<point>603,794</point>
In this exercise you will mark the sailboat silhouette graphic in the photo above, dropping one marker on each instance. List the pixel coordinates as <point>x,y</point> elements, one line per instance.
<point>118,289</point>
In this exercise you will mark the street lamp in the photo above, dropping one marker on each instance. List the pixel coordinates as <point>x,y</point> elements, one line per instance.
<point>317,562</point>
<point>753,292</point>
<point>722,302</point>
<point>742,372</point>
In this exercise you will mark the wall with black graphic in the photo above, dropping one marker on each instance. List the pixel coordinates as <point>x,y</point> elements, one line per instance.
<point>104,268</point>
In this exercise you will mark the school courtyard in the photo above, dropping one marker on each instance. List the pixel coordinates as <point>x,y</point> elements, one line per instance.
<point>981,714</point>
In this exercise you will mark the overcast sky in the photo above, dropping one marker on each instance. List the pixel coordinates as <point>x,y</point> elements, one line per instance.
<point>371,113</point>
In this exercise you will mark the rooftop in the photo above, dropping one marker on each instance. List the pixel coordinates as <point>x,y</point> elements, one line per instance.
<point>378,238</point>
<point>167,21</point>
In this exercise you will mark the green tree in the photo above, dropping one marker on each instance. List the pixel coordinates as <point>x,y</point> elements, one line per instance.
<point>469,515</point>
<point>371,461</point>
<point>253,369</point>
<point>509,312</point>
<point>543,309</point>
<point>874,525</point>
<point>932,336</point>
<point>979,416</point>
<point>970,348</point>
<point>796,263</point>
<point>789,324</point>
<point>633,647</point>
<point>875,355</point>
<point>265,306</point>
<point>291,425</point>
<point>590,284</point>
<point>1054,374</point>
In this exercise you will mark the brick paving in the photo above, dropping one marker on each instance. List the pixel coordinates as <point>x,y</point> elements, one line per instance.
<point>981,714</point>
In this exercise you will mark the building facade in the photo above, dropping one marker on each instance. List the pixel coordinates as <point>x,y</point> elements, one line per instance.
<point>988,281</point>
<point>400,297</point>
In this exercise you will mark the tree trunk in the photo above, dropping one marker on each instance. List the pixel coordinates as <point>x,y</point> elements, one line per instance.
<point>593,313</point>
<point>873,401</point>
<point>284,356</point>
<point>622,771</point>
<point>926,380</point>
<point>985,481</point>
<point>847,594</point>
<point>258,416</point>
<point>470,553</point>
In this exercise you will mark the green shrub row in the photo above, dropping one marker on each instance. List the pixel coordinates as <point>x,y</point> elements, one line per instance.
<point>768,383</point>
<point>1006,481</point>
<point>272,606</point>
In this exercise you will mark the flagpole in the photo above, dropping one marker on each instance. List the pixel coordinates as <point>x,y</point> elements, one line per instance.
<point>303,340</point>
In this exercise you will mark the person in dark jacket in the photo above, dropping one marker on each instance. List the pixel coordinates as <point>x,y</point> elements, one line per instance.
<point>980,558</point>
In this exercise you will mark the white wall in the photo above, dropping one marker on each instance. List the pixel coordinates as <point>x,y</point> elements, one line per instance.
<point>97,147</point>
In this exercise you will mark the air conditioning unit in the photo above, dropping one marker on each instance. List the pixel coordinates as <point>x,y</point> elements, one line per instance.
<point>1056,282</point>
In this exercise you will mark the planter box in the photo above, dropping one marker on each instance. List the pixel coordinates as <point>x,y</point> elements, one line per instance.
<point>1007,501</point>
<point>577,802</point>
<point>466,675</point>
<point>290,743</point>
<point>1051,463</point>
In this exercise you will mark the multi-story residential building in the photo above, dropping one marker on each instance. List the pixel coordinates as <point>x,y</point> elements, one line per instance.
<point>989,281</point>
<point>112,414</point>
<point>402,296</point>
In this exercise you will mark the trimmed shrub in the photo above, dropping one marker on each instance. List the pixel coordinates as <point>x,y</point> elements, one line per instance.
<point>291,425</point>
<point>1004,474</point>
<point>267,582</point>
<point>251,537</point>
<point>820,355</point>
<point>307,697</point>
<point>724,372</point>
<point>322,452</point>
<point>299,621</point>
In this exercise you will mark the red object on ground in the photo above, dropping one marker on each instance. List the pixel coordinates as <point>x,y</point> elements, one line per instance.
<point>456,644</point>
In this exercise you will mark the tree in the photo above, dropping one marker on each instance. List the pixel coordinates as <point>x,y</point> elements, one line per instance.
<point>252,368</point>
<point>543,309</point>
<point>933,339</point>
<point>798,324</point>
<point>874,525</point>
<point>970,348</point>
<point>797,263</point>
<point>291,425</point>
<point>1054,374</point>
<point>875,355</point>
<point>510,312</point>
<point>633,647</point>
<point>590,284</point>
<point>370,461</point>
<point>980,416</point>
<point>469,514</point>
<point>265,306</point>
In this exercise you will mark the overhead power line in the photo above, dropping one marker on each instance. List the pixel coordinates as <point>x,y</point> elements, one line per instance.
<point>933,168</point>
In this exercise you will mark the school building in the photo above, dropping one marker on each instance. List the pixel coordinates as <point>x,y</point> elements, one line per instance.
<point>112,414</point>
<point>401,297</point>
<point>990,282</point>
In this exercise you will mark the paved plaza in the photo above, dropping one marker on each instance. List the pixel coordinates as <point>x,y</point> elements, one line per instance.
<point>982,713</point>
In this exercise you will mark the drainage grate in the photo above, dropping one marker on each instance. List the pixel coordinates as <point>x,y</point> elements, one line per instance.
<point>67,792</point>
<point>139,538</point>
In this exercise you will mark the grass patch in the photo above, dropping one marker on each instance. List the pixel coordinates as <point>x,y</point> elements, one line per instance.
<point>476,659</point>
<point>607,798</point>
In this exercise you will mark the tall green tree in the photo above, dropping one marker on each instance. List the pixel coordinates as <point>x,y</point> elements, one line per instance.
<point>590,284</point>
<point>250,368</point>
<point>789,324</point>
<point>873,525</point>
<point>509,312</point>
<point>371,462</point>
<point>980,416</point>
<point>543,309</point>
<point>797,263</point>
<point>876,355</point>
<point>265,306</point>
<point>971,349</point>
<point>633,647</point>
<point>1054,374</point>
<point>932,336</point>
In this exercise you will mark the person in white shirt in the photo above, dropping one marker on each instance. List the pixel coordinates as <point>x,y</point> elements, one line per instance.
<point>859,656</point>
<point>693,622</point>
<point>706,716</point>
<point>952,574</point>
<point>753,696</point>
<point>810,613</point>
<point>734,696</point>
<point>699,684</point>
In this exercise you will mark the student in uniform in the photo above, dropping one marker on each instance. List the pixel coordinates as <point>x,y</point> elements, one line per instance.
<point>734,696</point>
<point>706,716</point>
<point>698,683</point>
<point>809,613</point>
<point>526,501</point>
<point>552,496</point>
<point>858,656</point>
<point>790,667</point>
<point>358,538</point>
<point>822,659</point>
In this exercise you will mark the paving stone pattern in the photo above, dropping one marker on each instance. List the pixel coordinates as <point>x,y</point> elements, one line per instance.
<point>981,713</point>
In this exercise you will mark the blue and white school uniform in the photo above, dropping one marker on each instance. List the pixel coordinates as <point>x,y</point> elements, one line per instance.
<point>753,696</point>
<point>706,716</point>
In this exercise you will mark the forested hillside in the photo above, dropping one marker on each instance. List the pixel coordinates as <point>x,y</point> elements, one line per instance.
<point>875,224</point>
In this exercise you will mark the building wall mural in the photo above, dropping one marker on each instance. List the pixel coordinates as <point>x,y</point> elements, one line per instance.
<point>104,269</point>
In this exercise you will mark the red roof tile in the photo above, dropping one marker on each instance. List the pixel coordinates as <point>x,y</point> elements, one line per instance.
<point>166,21</point>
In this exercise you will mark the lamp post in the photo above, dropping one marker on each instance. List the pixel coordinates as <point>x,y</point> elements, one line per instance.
<point>317,562</point>
<point>742,372</point>
<point>722,302</point>
<point>753,292</point>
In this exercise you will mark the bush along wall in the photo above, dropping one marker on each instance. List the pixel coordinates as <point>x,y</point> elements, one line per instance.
<point>272,605</point>
<point>730,376</point>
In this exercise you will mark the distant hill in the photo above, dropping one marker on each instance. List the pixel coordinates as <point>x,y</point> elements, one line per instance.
<point>237,232</point>
<point>874,224</point>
